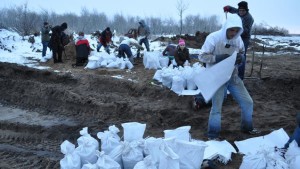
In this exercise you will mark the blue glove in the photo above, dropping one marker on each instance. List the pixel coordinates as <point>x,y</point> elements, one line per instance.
<point>221,57</point>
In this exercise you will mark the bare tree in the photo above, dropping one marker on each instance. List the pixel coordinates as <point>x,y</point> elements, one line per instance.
<point>181,7</point>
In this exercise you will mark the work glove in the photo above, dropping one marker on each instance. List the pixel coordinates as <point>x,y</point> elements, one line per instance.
<point>226,8</point>
<point>239,58</point>
<point>221,57</point>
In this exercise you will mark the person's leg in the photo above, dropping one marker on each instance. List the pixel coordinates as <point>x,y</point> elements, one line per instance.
<point>146,42</point>
<point>128,52</point>
<point>45,45</point>
<point>214,122</point>
<point>99,47</point>
<point>59,53</point>
<point>240,94</point>
<point>107,49</point>
<point>242,66</point>
<point>54,56</point>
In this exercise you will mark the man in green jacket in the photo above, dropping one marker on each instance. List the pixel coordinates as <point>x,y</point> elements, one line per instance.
<point>45,37</point>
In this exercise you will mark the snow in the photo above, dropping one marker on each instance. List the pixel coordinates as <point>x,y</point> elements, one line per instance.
<point>21,52</point>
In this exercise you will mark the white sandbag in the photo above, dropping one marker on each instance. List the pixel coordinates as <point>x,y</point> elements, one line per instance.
<point>71,158</point>
<point>152,146</point>
<point>254,161</point>
<point>181,133</point>
<point>103,63</point>
<point>295,163</point>
<point>106,162</point>
<point>109,139</point>
<point>122,64</point>
<point>292,155</point>
<point>129,65</point>
<point>92,64</point>
<point>151,60</point>
<point>163,61</point>
<point>168,158</point>
<point>87,146</point>
<point>132,154</point>
<point>190,154</point>
<point>147,163</point>
<point>90,166</point>
<point>133,131</point>
<point>116,154</point>
<point>157,75</point>
<point>178,84</point>
<point>167,78</point>
<point>113,65</point>
<point>189,76</point>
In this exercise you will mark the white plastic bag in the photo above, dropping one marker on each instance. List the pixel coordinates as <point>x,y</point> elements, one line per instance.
<point>190,154</point>
<point>147,163</point>
<point>109,139</point>
<point>181,133</point>
<point>178,84</point>
<point>133,131</point>
<point>254,161</point>
<point>132,154</point>
<point>71,158</point>
<point>152,146</point>
<point>106,162</point>
<point>168,158</point>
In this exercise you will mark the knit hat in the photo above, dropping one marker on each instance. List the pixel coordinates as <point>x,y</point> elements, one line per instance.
<point>81,34</point>
<point>243,5</point>
<point>181,42</point>
<point>64,26</point>
<point>45,23</point>
<point>108,29</point>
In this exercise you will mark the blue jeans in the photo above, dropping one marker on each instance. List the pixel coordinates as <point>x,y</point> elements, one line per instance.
<point>99,45</point>
<point>45,45</point>
<point>239,92</point>
<point>295,136</point>
<point>146,42</point>
<point>243,64</point>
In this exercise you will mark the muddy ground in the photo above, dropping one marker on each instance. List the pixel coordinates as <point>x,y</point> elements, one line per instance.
<point>42,108</point>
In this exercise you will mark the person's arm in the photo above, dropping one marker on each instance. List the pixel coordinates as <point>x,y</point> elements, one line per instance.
<point>230,9</point>
<point>247,25</point>
<point>164,53</point>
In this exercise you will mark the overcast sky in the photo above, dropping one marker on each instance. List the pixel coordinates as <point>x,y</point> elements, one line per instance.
<point>281,13</point>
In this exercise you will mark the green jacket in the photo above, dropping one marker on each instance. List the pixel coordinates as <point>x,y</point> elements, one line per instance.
<point>45,34</point>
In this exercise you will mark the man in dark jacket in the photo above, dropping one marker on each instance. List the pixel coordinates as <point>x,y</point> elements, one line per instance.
<point>105,40</point>
<point>247,21</point>
<point>143,33</point>
<point>56,44</point>
<point>45,37</point>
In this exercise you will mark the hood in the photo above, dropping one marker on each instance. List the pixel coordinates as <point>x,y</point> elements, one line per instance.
<point>142,22</point>
<point>231,22</point>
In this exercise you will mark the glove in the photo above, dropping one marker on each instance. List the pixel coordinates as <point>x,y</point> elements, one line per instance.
<point>226,8</point>
<point>221,57</point>
<point>239,58</point>
<point>141,48</point>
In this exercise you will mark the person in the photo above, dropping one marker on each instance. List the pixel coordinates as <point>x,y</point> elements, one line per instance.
<point>82,50</point>
<point>105,40</point>
<point>55,43</point>
<point>170,51</point>
<point>296,134</point>
<point>125,48</point>
<point>181,54</point>
<point>247,21</point>
<point>143,33</point>
<point>218,46</point>
<point>45,37</point>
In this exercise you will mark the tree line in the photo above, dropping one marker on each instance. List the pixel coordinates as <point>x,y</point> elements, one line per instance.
<point>27,22</point>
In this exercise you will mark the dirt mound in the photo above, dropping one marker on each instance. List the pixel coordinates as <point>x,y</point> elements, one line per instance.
<point>56,103</point>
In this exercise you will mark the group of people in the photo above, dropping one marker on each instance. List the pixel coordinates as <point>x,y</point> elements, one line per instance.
<point>234,36</point>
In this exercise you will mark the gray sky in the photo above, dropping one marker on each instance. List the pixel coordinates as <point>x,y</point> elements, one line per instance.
<point>281,13</point>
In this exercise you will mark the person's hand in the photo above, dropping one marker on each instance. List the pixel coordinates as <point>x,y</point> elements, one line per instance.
<point>226,8</point>
<point>239,58</point>
<point>142,48</point>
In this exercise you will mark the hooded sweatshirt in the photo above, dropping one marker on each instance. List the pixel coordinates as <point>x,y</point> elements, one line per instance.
<point>216,41</point>
<point>143,29</point>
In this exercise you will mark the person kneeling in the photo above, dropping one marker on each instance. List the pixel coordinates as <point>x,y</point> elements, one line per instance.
<point>82,50</point>
<point>125,48</point>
